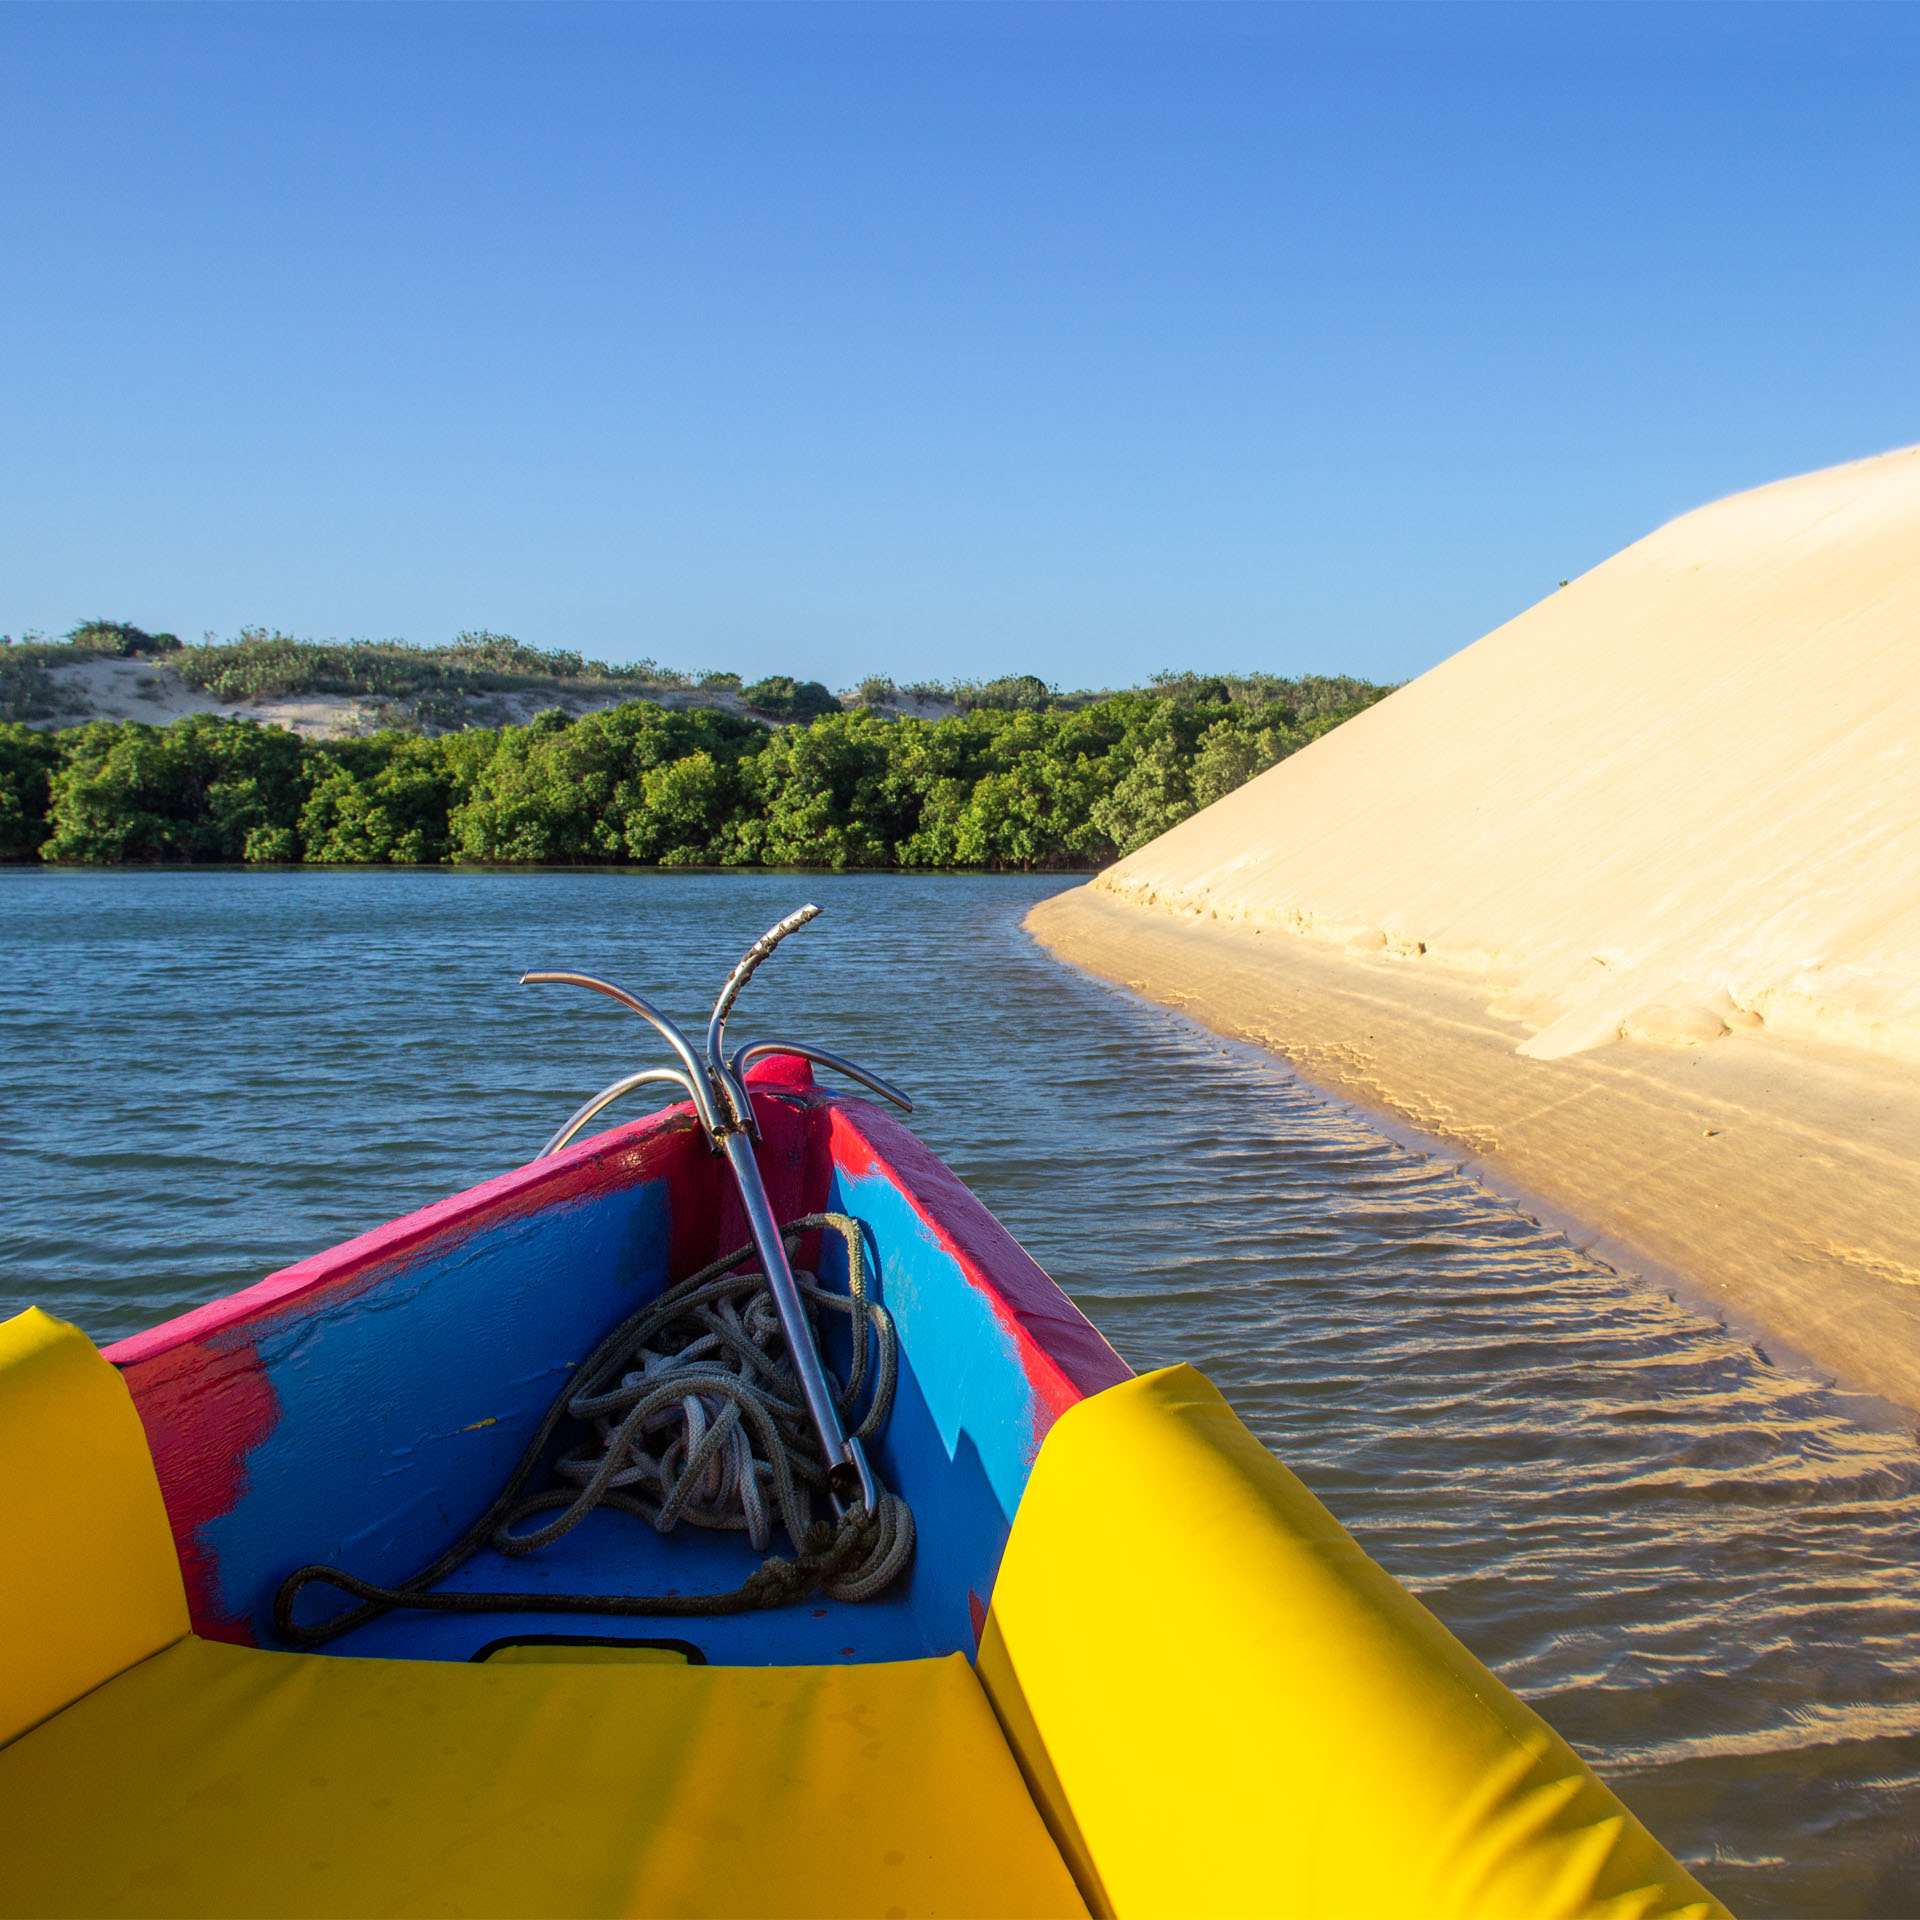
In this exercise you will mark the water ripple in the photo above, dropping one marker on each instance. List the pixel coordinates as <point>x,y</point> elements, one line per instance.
<point>1697,1564</point>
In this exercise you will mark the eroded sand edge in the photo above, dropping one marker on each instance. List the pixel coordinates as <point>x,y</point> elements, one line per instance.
<point>1775,1175</point>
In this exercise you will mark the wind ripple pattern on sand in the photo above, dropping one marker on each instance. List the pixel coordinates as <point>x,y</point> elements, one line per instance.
<point>1701,1567</point>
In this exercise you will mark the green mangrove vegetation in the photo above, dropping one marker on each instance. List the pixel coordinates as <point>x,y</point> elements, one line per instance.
<point>1011,775</point>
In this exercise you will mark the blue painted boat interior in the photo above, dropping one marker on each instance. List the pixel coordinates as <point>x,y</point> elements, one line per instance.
<point>405,1402</point>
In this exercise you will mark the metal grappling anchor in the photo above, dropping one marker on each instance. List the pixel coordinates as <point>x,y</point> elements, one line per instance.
<point>712,1404</point>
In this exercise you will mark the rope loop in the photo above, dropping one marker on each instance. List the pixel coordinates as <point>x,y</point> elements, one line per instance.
<point>686,1411</point>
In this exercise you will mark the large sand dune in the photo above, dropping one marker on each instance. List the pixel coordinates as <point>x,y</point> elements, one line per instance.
<point>1682,793</point>
<point>1672,813</point>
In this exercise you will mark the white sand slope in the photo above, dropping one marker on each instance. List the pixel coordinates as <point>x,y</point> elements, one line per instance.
<point>1679,797</point>
<point>107,688</point>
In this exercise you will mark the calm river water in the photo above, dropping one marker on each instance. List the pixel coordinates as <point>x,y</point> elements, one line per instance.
<point>1694,1563</point>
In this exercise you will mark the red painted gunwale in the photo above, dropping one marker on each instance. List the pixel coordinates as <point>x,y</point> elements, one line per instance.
<point>1061,1350</point>
<point>638,1151</point>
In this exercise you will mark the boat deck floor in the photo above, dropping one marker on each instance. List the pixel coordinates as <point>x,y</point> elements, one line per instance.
<point>615,1553</point>
<point>215,1780</point>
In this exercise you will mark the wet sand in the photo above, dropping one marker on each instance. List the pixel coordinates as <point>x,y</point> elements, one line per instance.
<point>1774,1176</point>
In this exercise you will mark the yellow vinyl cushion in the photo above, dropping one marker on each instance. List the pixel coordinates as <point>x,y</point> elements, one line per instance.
<point>1224,1707</point>
<point>89,1581</point>
<point>220,1780</point>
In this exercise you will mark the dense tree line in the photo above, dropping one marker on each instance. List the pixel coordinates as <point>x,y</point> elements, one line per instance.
<point>993,788</point>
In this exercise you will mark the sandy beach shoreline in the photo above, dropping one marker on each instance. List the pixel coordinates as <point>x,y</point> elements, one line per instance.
<point>1772,1178</point>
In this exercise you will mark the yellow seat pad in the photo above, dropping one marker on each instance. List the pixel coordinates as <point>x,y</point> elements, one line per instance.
<point>1226,1708</point>
<point>219,1780</point>
<point>89,1580</point>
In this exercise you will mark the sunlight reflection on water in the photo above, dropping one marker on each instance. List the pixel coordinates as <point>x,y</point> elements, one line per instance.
<point>1694,1563</point>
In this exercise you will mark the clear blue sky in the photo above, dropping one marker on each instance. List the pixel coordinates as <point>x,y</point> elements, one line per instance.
<point>929,340</point>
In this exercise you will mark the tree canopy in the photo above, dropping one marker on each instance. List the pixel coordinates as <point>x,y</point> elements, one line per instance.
<point>1020,785</point>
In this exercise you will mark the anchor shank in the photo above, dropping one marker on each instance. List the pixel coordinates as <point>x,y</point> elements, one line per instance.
<point>844,1477</point>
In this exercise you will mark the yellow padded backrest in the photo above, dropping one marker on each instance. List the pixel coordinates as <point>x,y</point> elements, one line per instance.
<point>89,1580</point>
<point>1224,1707</point>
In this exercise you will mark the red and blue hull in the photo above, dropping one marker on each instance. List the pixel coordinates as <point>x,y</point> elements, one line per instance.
<point>360,1408</point>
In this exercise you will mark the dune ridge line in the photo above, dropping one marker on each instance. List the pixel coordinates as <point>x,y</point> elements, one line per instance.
<point>1622,902</point>
<point>1676,798</point>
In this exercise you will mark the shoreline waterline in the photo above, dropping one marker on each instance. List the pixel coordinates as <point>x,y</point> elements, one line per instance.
<point>1793,1235</point>
<point>1631,1264</point>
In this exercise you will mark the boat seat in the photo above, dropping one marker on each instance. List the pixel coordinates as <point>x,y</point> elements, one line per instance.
<point>213,1779</point>
<point>1322,1746</point>
<point>1223,1706</point>
<point>90,1581</point>
<point>155,1773</point>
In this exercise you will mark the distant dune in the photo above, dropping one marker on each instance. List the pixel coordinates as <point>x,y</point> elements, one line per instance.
<point>1659,837</point>
<point>105,688</point>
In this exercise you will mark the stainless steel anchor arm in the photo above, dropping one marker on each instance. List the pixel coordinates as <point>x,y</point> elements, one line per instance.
<point>697,1084</point>
<point>607,1096</point>
<point>724,1075</point>
<point>839,1063</point>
